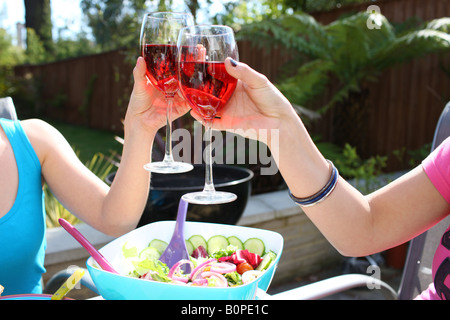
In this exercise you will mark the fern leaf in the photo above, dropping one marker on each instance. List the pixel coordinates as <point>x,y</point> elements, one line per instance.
<point>441,24</point>
<point>310,80</point>
<point>412,45</point>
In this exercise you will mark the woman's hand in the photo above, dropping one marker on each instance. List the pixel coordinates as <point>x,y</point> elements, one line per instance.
<point>256,103</point>
<point>148,105</point>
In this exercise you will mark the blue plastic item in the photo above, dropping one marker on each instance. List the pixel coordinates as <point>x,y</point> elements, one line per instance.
<point>121,287</point>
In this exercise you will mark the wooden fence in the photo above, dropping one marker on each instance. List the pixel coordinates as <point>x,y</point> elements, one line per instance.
<point>408,99</point>
<point>91,90</point>
<point>405,103</point>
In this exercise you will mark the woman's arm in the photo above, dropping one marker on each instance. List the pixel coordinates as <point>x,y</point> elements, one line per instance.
<point>114,210</point>
<point>356,225</point>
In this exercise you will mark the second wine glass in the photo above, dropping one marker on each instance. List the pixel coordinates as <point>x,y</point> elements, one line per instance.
<point>207,87</point>
<point>158,40</point>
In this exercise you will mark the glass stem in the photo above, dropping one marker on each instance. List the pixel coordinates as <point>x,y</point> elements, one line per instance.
<point>168,152</point>
<point>209,184</point>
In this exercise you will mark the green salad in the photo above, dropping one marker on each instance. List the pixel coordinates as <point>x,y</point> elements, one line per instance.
<point>217,262</point>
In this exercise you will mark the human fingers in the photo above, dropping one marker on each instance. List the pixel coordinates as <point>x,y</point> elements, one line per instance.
<point>243,72</point>
<point>139,71</point>
<point>266,99</point>
<point>144,93</point>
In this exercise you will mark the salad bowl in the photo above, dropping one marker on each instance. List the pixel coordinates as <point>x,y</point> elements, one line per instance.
<point>123,287</point>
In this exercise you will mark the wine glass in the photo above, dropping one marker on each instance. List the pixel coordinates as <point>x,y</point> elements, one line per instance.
<point>158,41</point>
<point>207,87</point>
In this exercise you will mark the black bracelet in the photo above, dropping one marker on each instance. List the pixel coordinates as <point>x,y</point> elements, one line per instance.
<point>323,193</point>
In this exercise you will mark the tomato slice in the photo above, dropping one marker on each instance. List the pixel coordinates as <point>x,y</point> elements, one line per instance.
<point>243,267</point>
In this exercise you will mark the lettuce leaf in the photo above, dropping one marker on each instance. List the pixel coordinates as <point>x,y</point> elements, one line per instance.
<point>129,252</point>
<point>233,278</point>
<point>157,269</point>
<point>228,251</point>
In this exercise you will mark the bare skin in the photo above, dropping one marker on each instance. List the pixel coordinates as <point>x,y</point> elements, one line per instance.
<point>355,224</point>
<point>113,210</point>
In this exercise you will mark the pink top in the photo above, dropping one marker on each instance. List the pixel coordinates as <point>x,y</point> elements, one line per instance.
<point>437,168</point>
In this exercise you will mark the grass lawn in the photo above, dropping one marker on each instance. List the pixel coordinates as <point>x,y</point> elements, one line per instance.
<point>87,142</point>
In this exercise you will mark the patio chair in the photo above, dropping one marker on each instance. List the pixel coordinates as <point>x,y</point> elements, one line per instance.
<point>60,277</point>
<point>417,272</point>
<point>7,109</point>
<point>416,275</point>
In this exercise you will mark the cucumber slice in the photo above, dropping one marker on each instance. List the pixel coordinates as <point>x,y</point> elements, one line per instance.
<point>267,259</point>
<point>235,241</point>
<point>158,245</point>
<point>189,247</point>
<point>150,253</point>
<point>255,245</point>
<point>197,241</point>
<point>216,243</point>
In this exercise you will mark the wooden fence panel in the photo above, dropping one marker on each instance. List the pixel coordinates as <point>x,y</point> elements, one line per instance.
<point>407,100</point>
<point>94,89</point>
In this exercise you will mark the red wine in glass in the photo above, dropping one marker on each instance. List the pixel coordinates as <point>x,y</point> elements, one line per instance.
<point>159,35</point>
<point>162,67</point>
<point>207,86</point>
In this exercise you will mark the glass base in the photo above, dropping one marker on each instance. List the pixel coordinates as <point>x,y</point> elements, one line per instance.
<point>168,167</point>
<point>203,197</point>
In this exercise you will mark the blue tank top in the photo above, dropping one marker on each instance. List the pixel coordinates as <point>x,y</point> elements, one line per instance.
<point>22,229</point>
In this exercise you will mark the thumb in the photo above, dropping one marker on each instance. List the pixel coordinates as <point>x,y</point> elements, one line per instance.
<point>243,72</point>
<point>139,71</point>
